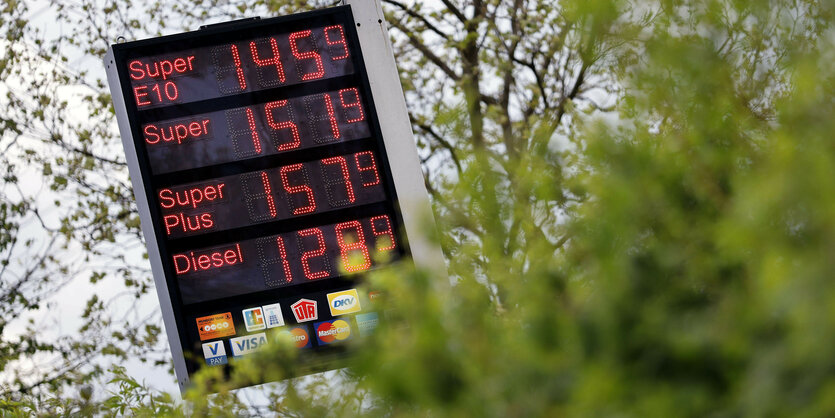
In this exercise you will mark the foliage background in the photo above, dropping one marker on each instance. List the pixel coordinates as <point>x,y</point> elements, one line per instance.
<point>633,197</point>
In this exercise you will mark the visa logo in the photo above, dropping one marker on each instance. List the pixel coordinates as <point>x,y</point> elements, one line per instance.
<point>247,344</point>
<point>345,302</point>
<point>214,353</point>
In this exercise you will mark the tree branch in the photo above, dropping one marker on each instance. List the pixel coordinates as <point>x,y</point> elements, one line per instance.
<point>419,17</point>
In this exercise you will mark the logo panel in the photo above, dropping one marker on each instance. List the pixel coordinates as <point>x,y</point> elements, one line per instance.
<point>345,302</point>
<point>215,353</point>
<point>272,315</point>
<point>366,323</point>
<point>254,319</point>
<point>248,344</point>
<point>215,326</point>
<point>305,310</point>
<point>329,332</point>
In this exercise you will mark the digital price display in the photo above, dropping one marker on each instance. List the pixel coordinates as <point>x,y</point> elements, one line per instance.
<point>257,157</point>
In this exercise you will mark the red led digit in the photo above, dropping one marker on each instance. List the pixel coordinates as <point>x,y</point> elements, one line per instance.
<point>275,60</point>
<point>368,165</point>
<point>320,251</point>
<point>341,40</point>
<point>356,103</point>
<point>385,231</point>
<point>258,196</point>
<point>320,69</point>
<point>298,189</point>
<point>331,115</point>
<point>268,108</point>
<point>155,89</point>
<point>345,248</point>
<point>256,141</point>
<point>269,194</point>
<point>343,165</point>
<point>239,70</point>
<point>284,263</point>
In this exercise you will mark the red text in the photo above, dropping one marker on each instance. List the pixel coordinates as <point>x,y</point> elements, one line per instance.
<point>191,262</point>
<point>177,132</point>
<point>160,69</point>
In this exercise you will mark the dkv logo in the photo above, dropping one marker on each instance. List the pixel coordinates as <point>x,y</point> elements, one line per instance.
<point>345,302</point>
<point>248,344</point>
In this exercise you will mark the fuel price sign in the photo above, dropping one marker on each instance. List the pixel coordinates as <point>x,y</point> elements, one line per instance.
<point>261,163</point>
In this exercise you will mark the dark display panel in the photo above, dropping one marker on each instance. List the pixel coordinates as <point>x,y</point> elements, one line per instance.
<point>264,168</point>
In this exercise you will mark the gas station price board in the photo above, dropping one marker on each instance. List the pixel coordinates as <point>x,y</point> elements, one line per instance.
<point>263,182</point>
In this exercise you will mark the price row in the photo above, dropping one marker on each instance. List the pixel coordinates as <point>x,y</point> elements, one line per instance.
<point>249,65</point>
<point>267,195</point>
<point>285,259</point>
<point>251,131</point>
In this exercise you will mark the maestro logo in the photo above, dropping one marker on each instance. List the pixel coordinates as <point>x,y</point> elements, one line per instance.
<point>298,335</point>
<point>329,332</point>
<point>305,310</point>
<point>215,326</point>
<point>215,353</point>
<point>344,302</point>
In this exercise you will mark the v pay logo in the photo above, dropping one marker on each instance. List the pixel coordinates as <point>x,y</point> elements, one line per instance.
<point>345,302</point>
<point>215,353</point>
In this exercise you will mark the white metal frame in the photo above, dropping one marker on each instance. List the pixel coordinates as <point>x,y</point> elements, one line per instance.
<point>145,220</point>
<point>388,98</point>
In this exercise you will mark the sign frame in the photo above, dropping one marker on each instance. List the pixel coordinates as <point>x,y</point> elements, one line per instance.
<point>390,107</point>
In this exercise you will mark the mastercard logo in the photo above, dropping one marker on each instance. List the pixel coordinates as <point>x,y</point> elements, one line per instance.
<point>333,331</point>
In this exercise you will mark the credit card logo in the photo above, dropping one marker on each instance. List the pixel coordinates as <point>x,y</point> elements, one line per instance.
<point>215,353</point>
<point>248,344</point>
<point>254,319</point>
<point>305,310</point>
<point>215,326</point>
<point>366,323</point>
<point>345,302</point>
<point>298,335</point>
<point>272,315</point>
<point>329,332</point>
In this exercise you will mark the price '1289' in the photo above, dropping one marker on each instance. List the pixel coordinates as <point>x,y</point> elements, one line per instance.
<point>321,252</point>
